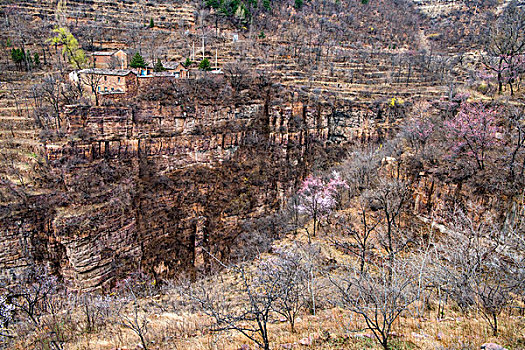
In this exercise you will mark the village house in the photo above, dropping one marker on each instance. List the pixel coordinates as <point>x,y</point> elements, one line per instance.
<point>106,81</point>
<point>110,59</point>
<point>117,83</point>
<point>178,70</point>
<point>145,72</point>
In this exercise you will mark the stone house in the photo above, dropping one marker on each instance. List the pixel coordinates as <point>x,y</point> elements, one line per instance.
<point>172,70</point>
<point>177,70</point>
<point>110,59</point>
<point>117,83</point>
<point>107,81</point>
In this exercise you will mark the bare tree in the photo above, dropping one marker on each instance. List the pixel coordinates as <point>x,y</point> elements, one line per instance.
<point>507,45</point>
<point>360,170</point>
<point>32,292</point>
<point>114,63</point>
<point>51,90</point>
<point>93,81</point>
<point>95,309</point>
<point>379,295</point>
<point>517,132</point>
<point>290,270</point>
<point>478,265</point>
<point>390,200</point>
<point>237,75</point>
<point>137,321</point>
<point>244,303</point>
<point>361,234</point>
<point>6,317</point>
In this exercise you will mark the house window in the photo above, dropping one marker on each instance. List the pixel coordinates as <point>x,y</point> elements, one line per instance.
<point>112,89</point>
<point>177,74</point>
<point>105,78</point>
<point>99,89</point>
<point>119,79</point>
<point>105,88</point>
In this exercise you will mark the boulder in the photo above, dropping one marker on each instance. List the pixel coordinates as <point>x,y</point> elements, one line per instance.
<point>492,346</point>
<point>306,341</point>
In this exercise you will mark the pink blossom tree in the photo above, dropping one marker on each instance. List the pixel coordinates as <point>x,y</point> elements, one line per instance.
<point>473,132</point>
<point>317,198</point>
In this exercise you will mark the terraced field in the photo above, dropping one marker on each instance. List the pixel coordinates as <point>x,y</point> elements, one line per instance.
<point>112,13</point>
<point>20,147</point>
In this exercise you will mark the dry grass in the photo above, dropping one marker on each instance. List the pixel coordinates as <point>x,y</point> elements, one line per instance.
<point>331,328</point>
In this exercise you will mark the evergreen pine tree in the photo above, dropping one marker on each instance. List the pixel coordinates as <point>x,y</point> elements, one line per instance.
<point>213,3</point>
<point>205,65</point>
<point>37,59</point>
<point>18,56</point>
<point>158,66</point>
<point>137,61</point>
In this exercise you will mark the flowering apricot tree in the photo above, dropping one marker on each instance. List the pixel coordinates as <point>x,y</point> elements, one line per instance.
<point>317,198</point>
<point>472,132</point>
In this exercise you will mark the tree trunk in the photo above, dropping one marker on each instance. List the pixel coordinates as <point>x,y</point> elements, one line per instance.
<point>143,341</point>
<point>495,325</point>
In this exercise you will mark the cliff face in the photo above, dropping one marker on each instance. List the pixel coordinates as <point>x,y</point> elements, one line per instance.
<point>154,185</point>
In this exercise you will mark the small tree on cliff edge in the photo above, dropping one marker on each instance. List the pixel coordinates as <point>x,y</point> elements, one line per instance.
<point>137,61</point>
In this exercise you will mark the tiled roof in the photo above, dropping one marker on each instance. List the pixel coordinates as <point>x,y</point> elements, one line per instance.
<point>157,74</point>
<point>101,71</point>
<point>103,53</point>
<point>172,65</point>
